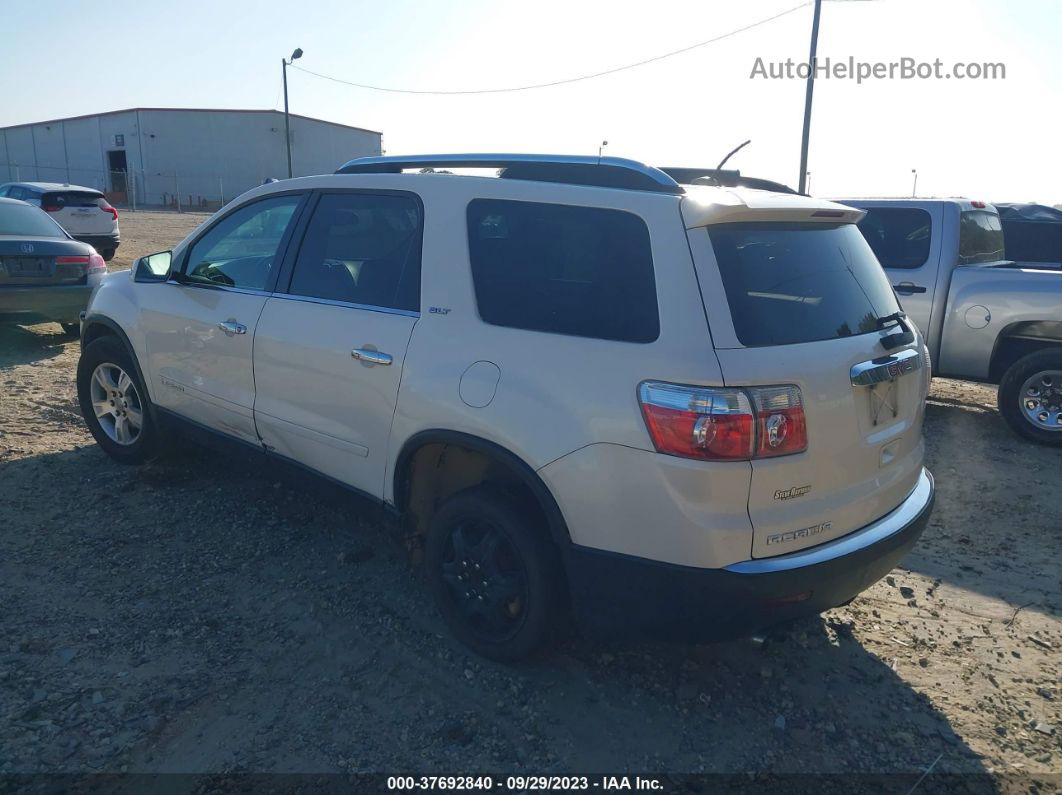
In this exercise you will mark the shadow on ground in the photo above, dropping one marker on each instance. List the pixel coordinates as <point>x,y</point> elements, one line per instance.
<point>21,345</point>
<point>209,614</point>
<point>997,495</point>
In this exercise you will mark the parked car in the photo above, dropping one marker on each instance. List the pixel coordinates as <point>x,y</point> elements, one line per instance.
<point>45,275</point>
<point>985,318</point>
<point>83,212</point>
<point>686,411</point>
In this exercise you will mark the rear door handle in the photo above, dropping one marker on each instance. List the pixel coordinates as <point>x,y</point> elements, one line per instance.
<point>231,327</point>
<point>371,357</point>
<point>908,288</point>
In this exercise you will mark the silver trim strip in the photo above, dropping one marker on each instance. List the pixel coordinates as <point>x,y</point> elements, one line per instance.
<point>330,302</point>
<point>884,527</point>
<point>886,368</point>
<point>382,165</point>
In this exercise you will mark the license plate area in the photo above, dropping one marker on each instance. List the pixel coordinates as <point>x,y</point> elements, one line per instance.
<point>28,266</point>
<point>880,381</point>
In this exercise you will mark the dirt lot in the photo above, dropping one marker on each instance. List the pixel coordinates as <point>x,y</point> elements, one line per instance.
<point>209,614</point>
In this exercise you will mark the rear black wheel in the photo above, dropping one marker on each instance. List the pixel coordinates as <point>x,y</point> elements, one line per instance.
<point>496,577</point>
<point>1030,396</point>
<point>71,329</point>
<point>108,254</point>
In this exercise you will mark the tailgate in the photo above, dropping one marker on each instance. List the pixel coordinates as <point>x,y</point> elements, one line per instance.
<point>807,304</point>
<point>78,212</point>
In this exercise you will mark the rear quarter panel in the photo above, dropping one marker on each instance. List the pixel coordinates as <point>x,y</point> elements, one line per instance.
<point>555,393</point>
<point>982,303</point>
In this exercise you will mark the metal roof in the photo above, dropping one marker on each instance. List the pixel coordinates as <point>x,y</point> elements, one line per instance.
<point>187,110</point>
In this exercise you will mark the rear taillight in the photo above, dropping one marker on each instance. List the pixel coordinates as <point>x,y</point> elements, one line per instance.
<point>721,424</point>
<point>93,263</point>
<point>780,425</point>
<point>51,208</point>
<point>106,207</point>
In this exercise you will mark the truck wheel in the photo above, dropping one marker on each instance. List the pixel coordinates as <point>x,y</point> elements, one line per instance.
<point>114,403</point>
<point>496,578</point>
<point>1030,397</point>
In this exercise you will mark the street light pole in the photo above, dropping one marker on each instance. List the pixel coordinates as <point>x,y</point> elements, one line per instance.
<point>914,187</point>
<point>807,99</point>
<point>287,124</point>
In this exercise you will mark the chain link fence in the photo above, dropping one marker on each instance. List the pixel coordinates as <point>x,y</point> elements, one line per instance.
<point>143,189</point>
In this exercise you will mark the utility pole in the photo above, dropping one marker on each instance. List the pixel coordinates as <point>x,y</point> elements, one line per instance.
<point>807,99</point>
<point>914,187</point>
<point>287,125</point>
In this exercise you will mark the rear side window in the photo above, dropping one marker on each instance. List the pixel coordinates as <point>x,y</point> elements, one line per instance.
<point>579,271</point>
<point>899,236</point>
<point>71,198</point>
<point>980,237</point>
<point>792,283</point>
<point>362,249</point>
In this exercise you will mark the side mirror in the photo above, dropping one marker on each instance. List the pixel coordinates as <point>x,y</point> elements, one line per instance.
<point>153,267</point>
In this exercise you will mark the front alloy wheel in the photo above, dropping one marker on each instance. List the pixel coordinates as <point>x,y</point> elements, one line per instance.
<point>116,404</point>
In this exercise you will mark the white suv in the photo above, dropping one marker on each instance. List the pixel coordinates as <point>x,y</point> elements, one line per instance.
<point>84,213</point>
<point>685,410</point>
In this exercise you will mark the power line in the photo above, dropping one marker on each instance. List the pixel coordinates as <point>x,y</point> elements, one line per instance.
<point>565,81</point>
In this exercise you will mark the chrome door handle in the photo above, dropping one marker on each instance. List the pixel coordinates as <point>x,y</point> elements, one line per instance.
<point>232,327</point>
<point>371,357</point>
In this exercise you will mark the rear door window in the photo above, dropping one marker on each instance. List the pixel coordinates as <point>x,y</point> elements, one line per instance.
<point>562,269</point>
<point>899,236</point>
<point>362,249</point>
<point>789,283</point>
<point>980,237</point>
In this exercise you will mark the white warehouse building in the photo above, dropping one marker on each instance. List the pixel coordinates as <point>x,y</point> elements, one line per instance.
<point>186,157</point>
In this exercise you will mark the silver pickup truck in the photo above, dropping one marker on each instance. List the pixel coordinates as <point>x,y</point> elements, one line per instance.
<point>984,318</point>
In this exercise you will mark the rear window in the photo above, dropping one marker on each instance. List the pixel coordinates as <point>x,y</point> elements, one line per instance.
<point>580,271</point>
<point>899,236</point>
<point>71,198</point>
<point>980,237</point>
<point>27,221</point>
<point>792,283</point>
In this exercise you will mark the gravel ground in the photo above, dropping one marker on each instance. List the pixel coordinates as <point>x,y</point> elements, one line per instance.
<point>212,614</point>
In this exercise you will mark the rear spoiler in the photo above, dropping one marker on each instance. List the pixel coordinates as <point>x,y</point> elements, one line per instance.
<point>725,178</point>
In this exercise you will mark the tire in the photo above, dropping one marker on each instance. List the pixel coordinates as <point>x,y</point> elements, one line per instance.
<point>71,329</point>
<point>1030,397</point>
<point>108,357</point>
<point>108,255</point>
<point>519,608</point>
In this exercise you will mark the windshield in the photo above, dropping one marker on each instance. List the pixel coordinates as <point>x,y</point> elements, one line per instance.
<point>27,221</point>
<point>788,283</point>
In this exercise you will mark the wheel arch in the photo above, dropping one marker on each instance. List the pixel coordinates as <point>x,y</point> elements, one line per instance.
<point>97,326</point>
<point>492,452</point>
<point>1017,340</point>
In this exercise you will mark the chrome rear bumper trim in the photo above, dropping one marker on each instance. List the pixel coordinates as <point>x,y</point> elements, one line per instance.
<point>901,517</point>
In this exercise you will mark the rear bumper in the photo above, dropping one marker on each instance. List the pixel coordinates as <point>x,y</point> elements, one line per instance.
<point>618,594</point>
<point>58,303</point>
<point>100,242</point>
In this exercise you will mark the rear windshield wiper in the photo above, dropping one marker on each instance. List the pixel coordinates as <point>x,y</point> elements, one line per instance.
<point>903,337</point>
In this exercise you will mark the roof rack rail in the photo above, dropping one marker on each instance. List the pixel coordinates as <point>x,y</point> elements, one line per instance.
<point>727,178</point>
<point>608,172</point>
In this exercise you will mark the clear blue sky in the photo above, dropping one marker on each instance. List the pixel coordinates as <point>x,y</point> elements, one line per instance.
<point>996,140</point>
